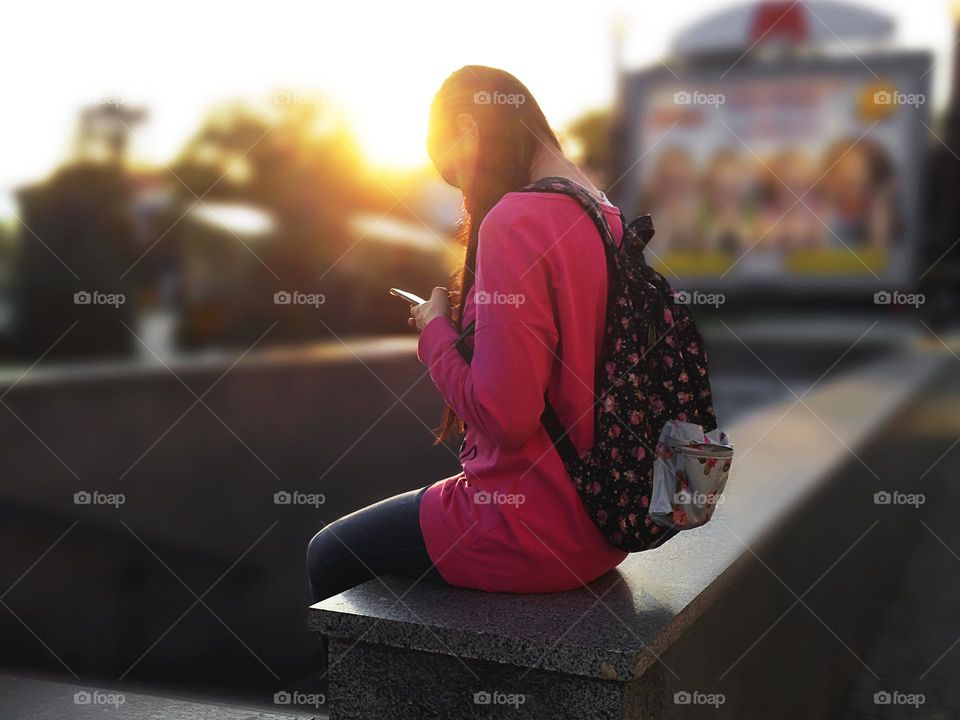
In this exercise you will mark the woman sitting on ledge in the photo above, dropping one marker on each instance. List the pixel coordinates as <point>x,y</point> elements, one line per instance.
<point>534,288</point>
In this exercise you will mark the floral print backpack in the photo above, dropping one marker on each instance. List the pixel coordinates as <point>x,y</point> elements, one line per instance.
<point>651,379</point>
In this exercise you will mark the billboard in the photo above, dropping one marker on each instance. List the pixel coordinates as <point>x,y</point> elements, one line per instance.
<point>800,173</point>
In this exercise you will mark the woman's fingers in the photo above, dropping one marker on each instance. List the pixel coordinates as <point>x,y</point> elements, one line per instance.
<point>416,312</point>
<point>438,304</point>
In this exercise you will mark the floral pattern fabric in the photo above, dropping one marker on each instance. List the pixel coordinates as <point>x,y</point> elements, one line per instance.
<point>652,369</point>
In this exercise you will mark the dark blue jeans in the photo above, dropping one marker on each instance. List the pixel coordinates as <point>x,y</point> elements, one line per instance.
<point>379,539</point>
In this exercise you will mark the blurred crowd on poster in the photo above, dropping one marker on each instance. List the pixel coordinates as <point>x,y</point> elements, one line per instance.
<point>814,170</point>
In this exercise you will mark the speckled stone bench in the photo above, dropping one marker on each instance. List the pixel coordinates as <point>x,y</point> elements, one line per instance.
<point>666,635</point>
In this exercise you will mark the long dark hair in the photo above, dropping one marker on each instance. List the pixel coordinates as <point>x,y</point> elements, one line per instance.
<point>510,127</point>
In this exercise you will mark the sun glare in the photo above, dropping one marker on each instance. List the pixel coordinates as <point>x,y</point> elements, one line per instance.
<point>391,130</point>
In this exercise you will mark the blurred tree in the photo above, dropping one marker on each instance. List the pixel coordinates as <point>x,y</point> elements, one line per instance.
<point>299,163</point>
<point>296,161</point>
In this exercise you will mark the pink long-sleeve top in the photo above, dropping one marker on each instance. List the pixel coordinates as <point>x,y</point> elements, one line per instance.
<point>512,521</point>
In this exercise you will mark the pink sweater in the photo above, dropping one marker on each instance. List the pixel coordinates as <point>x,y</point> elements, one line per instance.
<point>512,520</point>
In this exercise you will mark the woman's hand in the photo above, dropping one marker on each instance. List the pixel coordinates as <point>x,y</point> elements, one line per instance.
<point>437,306</point>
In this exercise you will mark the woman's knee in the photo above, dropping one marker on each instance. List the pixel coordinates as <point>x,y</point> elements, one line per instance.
<point>321,550</point>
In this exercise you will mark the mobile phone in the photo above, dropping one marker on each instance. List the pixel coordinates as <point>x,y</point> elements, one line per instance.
<point>408,296</point>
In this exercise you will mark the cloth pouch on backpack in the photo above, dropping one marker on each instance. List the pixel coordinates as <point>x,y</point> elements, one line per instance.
<point>689,474</point>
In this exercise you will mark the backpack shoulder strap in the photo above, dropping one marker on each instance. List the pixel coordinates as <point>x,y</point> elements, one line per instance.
<point>642,227</point>
<point>558,434</point>
<point>565,186</point>
<point>550,420</point>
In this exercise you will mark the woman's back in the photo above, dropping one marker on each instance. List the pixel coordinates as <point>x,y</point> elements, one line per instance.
<point>513,521</point>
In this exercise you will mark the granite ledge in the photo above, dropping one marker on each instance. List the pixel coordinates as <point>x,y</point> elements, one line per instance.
<point>643,609</point>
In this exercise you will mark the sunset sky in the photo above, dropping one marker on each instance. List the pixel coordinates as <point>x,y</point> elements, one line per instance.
<point>380,61</point>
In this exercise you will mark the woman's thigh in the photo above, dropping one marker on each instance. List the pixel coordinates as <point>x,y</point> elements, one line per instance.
<point>384,537</point>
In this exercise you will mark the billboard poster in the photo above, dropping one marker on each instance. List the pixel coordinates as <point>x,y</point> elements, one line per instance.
<point>794,175</point>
